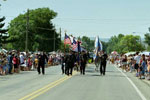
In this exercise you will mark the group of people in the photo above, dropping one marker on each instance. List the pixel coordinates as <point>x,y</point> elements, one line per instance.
<point>72,60</point>
<point>14,62</point>
<point>135,62</point>
<point>78,61</point>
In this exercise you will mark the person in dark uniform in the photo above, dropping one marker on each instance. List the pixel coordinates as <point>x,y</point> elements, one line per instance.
<point>63,64</point>
<point>67,63</point>
<point>83,61</point>
<point>103,63</point>
<point>72,59</point>
<point>41,63</point>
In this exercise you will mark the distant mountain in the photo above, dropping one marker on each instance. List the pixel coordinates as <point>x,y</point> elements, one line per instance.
<point>101,39</point>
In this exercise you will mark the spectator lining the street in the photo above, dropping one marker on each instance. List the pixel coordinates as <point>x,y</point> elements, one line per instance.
<point>16,64</point>
<point>142,67</point>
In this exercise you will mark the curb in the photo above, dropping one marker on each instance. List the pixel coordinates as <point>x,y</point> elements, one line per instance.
<point>143,80</point>
<point>146,82</point>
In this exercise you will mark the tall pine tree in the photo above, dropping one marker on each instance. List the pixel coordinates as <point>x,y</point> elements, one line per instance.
<point>3,32</point>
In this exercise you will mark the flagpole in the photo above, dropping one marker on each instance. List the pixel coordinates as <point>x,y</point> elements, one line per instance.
<point>78,53</point>
<point>65,44</point>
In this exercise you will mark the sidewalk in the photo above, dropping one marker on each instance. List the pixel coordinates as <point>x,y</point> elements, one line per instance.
<point>144,80</point>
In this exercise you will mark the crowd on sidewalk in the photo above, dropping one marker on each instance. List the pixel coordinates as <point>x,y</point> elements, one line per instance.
<point>139,64</point>
<point>14,62</point>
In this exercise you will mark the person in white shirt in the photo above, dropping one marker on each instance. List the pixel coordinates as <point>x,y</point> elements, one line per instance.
<point>137,59</point>
<point>22,61</point>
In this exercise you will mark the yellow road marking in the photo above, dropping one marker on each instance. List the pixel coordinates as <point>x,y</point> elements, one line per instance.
<point>46,88</point>
<point>41,89</point>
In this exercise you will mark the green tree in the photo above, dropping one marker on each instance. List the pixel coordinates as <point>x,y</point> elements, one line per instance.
<point>123,44</point>
<point>131,43</point>
<point>87,43</point>
<point>105,45</point>
<point>41,31</point>
<point>147,38</point>
<point>113,44</point>
<point>3,32</point>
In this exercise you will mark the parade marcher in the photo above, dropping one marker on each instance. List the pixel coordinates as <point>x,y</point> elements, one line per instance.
<point>83,61</point>
<point>103,63</point>
<point>67,64</point>
<point>63,64</point>
<point>41,63</point>
<point>72,62</point>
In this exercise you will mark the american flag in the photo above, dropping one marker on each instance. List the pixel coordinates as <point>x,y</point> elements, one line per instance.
<point>74,44</point>
<point>67,40</point>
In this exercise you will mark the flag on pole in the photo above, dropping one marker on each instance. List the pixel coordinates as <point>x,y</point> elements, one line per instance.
<point>74,44</point>
<point>79,47</point>
<point>67,40</point>
<point>98,45</point>
<point>101,46</point>
<point>72,39</point>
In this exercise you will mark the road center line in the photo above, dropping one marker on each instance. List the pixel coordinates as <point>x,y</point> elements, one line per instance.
<point>135,87</point>
<point>47,87</point>
<point>41,89</point>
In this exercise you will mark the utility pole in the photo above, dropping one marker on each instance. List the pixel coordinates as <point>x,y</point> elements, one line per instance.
<point>27,30</point>
<point>54,41</point>
<point>60,33</point>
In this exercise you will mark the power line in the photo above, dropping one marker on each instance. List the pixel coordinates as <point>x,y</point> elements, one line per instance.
<point>92,18</point>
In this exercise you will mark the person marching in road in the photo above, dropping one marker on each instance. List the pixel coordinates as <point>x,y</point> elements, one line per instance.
<point>72,62</point>
<point>83,61</point>
<point>103,63</point>
<point>41,63</point>
<point>63,64</point>
<point>67,63</point>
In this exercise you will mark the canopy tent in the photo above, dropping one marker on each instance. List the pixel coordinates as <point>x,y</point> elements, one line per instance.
<point>3,51</point>
<point>130,53</point>
<point>52,53</point>
<point>114,53</point>
<point>145,53</point>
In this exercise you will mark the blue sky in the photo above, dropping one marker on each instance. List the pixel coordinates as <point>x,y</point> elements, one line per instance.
<point>89,17</point>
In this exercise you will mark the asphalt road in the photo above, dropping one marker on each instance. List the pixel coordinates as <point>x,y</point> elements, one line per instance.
<point>115,85</point>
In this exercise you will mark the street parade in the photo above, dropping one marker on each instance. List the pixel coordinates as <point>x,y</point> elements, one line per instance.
<point>74,50</point>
